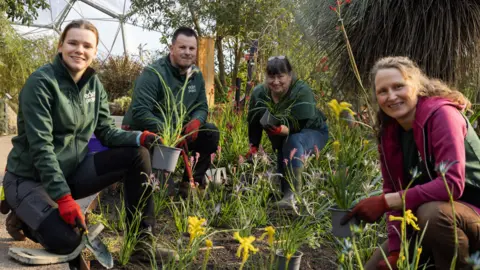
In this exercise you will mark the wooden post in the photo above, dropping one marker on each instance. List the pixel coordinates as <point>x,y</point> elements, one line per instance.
<point>205,59</point>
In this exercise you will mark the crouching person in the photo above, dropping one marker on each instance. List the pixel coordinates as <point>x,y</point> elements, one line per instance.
<point>60,106</point>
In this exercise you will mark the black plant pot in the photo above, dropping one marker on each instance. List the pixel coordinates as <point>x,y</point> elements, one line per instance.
<point>293,264</point>
<point>339,230</point>
<point>269,119</point>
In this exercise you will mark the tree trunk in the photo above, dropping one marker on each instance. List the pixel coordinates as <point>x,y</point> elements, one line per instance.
<point>195,19</point>
<point>238,55</point>
<point>221,62</point>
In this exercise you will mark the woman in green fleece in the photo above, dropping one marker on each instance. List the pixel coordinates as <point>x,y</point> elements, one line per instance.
<point>61,106</point>
<point>302,130</point>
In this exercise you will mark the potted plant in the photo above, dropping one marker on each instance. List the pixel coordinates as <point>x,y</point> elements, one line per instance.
<point>174,114</point>
<point>275,114</point>
<point>290,239</point>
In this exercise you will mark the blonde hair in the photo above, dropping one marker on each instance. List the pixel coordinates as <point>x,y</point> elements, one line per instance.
<point>82,24</point>
<point>425,86</point>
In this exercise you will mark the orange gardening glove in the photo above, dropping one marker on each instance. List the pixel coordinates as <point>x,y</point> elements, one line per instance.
<point>274,130</point>
<point>392,260</point>
<point>368,210</point>
<point>70,211</point>
<point>191,129</point>
<point>147,139</point>
<point>253,150</point>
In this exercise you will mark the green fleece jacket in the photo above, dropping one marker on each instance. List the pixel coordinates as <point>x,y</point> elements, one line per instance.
<point>299,99</point>
<point>56,119</point>
<point>149,93</point>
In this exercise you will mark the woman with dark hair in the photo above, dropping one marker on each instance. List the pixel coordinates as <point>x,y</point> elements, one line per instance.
<point>301,128</point>
<point>421,126</point>
<point>60,106</point>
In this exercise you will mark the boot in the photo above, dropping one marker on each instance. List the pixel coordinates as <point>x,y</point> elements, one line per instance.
<point>15,227</point>
<point>288,200</point>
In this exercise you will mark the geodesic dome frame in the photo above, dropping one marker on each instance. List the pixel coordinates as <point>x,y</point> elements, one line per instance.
<point>119,31</point>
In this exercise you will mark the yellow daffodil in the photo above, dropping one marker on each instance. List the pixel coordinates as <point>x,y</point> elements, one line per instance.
<point>209,245</point>
<point>366,142</point>
<point>195,227</point>
<point>270,232</point>
<point>2,194</point>
<point>245,246</point>
<point>336,146</point>
<point>338,108</point>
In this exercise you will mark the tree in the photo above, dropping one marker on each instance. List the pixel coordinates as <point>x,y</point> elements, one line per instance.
<point>24,10</point>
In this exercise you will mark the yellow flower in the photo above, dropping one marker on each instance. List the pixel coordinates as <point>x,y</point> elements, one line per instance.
<point>245,246</point>
<point>209,243</point>
<point>411,219</point>
<point>2,194</point>
<point>270,231</point>
<point>289,256</point>
<point>339,108</point>
<point>366,142</point>
<point>419,251</point>
<point>336,146</point>
<point>195,227</point>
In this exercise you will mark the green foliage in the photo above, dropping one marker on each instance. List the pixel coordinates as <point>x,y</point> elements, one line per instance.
<point>24,11</point>
<point>19,57</point>
<point>294,234</point>
<point>118,74</point>
<point>122,105</point>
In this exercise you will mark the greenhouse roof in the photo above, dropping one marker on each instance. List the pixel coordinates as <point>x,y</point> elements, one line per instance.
<point>107,15</point>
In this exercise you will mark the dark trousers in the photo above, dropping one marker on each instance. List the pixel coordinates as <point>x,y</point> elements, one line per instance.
<point>205,145</point>
<point>42,221</point>
<point>439,242</point>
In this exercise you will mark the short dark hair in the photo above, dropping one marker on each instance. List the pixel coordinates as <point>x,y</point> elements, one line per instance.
<point>186,31</point>
<point>278,65</point>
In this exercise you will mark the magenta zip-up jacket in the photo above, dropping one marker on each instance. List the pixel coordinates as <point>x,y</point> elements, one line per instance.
<point>438,122</point>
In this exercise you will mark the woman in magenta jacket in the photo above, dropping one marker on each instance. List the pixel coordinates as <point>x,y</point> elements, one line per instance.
<point>421,126</point>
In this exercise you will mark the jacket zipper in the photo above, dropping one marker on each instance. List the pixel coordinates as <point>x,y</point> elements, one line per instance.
<point>425,153</point>
<point>386,166</point>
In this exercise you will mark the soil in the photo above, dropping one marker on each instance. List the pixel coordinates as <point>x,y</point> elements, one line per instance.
<point>222,256</point>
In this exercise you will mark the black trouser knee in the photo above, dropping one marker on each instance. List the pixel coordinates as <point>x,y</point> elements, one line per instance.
<point>205,144</point>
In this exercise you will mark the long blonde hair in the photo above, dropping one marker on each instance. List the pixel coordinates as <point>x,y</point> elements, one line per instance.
<point>425,86</point>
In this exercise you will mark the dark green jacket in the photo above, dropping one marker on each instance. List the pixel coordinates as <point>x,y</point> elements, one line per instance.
<point>149,92</point>
<point>303,109</point>
<point>56,119</point>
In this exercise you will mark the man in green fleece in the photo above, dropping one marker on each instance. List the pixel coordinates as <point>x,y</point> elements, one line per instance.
<point>149,92</point>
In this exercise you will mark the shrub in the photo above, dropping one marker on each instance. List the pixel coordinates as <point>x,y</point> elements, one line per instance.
<point>118,74</point>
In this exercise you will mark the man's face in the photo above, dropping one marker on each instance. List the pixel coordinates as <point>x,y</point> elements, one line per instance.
<point>184,51</point>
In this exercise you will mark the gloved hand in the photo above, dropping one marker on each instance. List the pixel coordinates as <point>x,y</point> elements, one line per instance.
<point>368,210</point>
<point>274,130</point>
<point>253,150</point>
<point>147,139</point>
<point>70,211</point>
<point>192,128</point>
<point>392,259</point>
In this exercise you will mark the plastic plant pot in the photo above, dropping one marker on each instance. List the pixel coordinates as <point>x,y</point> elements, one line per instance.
<point>338,230</point>
<point>165,158</point>
<point>293,263</point>
<point>269,119</point>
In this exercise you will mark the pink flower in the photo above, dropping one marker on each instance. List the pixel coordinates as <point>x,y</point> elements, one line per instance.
<point>285,161</point>
<point>197,156</point>
<point>219,149</point>
<point>317,152</point>
<point>325,68</point>
<point>348,1</point>
<point>241,159</point>
<point>292,153</point>
<point>324,59</point>
<point>332,8</point>
<point>212,157</point>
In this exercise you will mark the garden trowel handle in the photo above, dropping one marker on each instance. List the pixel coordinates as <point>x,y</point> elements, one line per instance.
<point>183,145</point>
<point>81,226</point>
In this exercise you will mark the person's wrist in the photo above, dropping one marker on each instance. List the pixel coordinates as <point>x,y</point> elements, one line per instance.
<point>393,201</point>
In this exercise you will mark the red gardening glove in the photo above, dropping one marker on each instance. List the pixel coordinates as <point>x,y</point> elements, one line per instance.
<point>368,210</point>
<point>253,150</point>
<point>191,128</point>
<point>392,260</point>
<point>147,139</point>
<point>70,211</point>
<point>274,130</point>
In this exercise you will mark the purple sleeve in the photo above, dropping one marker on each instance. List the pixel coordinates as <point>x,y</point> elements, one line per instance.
<point>447,134</point>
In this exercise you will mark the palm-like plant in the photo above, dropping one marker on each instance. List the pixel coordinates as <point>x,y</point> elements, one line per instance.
<point>442,36</point>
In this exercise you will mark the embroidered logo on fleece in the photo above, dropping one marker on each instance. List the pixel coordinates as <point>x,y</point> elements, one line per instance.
<point>89,97</point>
<point>192,88</point>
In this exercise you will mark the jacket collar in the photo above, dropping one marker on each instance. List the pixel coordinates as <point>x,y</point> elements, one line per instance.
<point>176,71</point>
<point>426,106</point>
